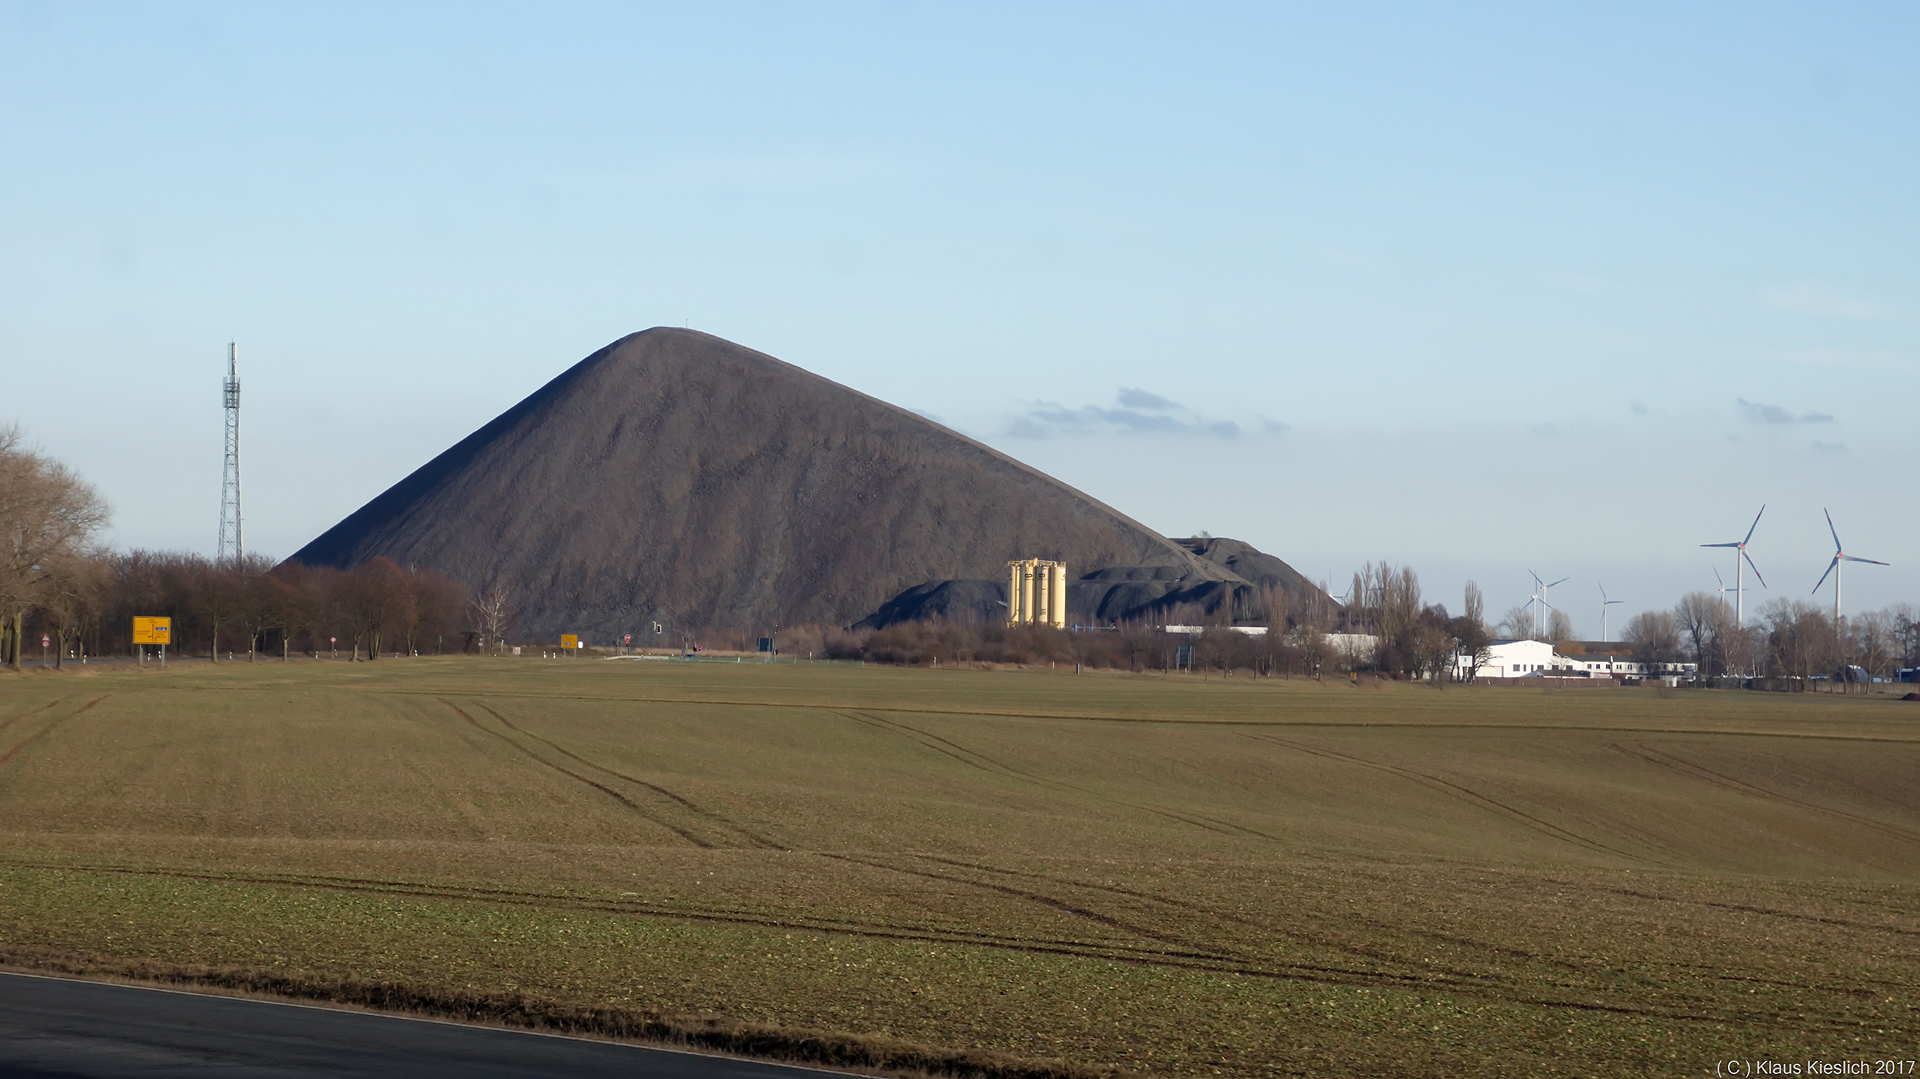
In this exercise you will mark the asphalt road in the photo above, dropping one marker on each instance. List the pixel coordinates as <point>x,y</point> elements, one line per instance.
<point>59,1028</point>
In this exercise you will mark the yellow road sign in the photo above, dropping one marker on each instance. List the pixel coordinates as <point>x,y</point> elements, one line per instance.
<point>151,630</point>
<point>569,640</point>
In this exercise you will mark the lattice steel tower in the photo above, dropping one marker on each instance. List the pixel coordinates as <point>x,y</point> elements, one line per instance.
<point>230,548</point>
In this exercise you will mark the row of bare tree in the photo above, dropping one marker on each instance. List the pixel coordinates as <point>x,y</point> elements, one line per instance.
<point>48,517</point>
<point>1413,638</point>
<point>240,610</point>
<point>1792,641</point>
<point>58,586</point>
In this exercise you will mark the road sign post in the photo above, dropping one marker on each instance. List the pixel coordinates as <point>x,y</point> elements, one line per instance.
<point>149,629</point>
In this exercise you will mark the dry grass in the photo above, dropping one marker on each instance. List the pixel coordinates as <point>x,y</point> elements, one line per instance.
<point>1141,873</point>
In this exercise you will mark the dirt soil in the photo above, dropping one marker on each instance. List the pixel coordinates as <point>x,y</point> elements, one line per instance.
<point>1037,872</point>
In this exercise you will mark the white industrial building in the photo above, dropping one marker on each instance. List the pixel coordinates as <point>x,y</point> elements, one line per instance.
<point>1514,659</point>
<point>1524,658</point>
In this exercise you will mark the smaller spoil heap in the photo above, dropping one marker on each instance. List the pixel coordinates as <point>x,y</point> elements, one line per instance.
<point>1227,575</point>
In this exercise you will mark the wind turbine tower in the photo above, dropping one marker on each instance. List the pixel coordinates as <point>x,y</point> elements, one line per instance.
<point>1833,568</point>
<point>230,546</point>
<point>1540,597</point>
<point>1739,579</point>
<point>1604,604</point>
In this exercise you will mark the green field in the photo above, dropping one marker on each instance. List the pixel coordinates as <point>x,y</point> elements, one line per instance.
<point>1161,875</point>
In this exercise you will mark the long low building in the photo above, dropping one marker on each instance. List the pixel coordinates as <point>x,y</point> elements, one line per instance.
<point>1512,659</point>
<point>1523,658</point>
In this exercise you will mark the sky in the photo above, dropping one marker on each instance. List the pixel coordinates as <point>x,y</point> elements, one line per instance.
<point>1475,288</point>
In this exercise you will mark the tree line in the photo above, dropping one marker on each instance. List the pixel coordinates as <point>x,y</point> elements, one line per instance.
<point>1790,645</point>
<point>59,586</point>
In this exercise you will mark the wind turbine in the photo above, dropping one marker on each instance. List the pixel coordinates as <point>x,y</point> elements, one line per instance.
<point>1604,604</point>
<point>1540,597</point>
<point>1833,567</point>
<point>1739,579</point>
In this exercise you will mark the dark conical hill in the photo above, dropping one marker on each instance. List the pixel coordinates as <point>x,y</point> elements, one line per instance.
<point>677,477</point>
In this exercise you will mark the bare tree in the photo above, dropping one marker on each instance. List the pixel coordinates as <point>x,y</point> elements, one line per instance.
<point>1393,602</point>
<point>1906,633</point>
<point>46,513</point>
<point>438,603</point>
<point>1703,618</point>
<point>1873,642</point>
<point>218,599</point>
<point>1431,647</point>
<point>493,610</point>
<point>1312,608</point>
<point>1559,627</point>
<point>1655,640</point>
<point>76,586</point>
<point>1799,641</point>
<point>1470,630</point>
<point>266,603</point>
<point>377,597</point>
<point>1518,623</point>
<point>1315,651</point>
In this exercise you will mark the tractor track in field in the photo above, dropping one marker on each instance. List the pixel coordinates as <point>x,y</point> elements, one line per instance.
<point>640,908</point>
<point>54,703</point>
<point>753,838</point>
<point>1286,724</point>
<point>1675,763</point>
<point>1297,937</point>
<point>1770,912</point>
<point>1478,987</point>
<point>638,809</point>
<point>1462,793</point>
<point>976,759</point>
<point>1193,950</point>
<point>34,739</point>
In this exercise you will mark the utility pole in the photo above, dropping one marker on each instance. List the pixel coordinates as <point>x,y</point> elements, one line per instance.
<point>230,546</point>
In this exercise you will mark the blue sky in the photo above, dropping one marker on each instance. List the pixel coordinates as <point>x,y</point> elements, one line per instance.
<point>1474,289</point>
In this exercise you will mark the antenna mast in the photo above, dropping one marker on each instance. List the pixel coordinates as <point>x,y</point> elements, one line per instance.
<point>230,547</point>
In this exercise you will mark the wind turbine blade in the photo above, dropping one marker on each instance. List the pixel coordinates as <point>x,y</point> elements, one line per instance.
<point>1756,569</point>
<point>1824,576</point>
<point>1719,580</point>
<point>1830,528</point>
<point>1871,561</point>
<point>1751,527</point>
<point>1562,580</point>
<point>1719,545</point>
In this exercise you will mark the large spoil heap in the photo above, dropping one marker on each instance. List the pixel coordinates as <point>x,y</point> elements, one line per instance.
<point>674,477</point>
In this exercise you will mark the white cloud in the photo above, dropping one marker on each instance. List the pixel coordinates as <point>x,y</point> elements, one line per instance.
<point>1143,399</point>
<point>1774,414</point>
<point>1141,413</point>
<point>1809,298</point>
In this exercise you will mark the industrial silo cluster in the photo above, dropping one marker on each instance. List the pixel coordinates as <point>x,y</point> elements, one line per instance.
<point>1037,593</point>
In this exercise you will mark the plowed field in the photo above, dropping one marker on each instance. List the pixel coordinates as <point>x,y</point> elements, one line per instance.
<point>1168,876</point>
